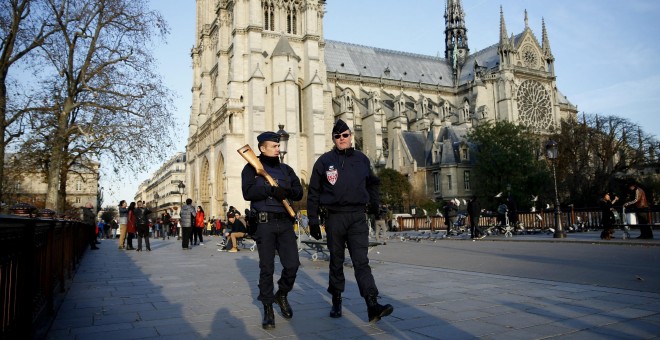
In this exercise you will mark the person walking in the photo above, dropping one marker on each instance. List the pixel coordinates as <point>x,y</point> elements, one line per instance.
<point>275,226</point>
<point>381,225</point>
<point>343,183</point>
<point>131,226</point>
<point>640,207</point>
<point>187,219</point>
<point>199,226</point>
<point>450,211</point>
<point>123,222</point>
<point>89,218</point>
<point>167,225</point>
<point>474,211</point>
<point>142,222</point>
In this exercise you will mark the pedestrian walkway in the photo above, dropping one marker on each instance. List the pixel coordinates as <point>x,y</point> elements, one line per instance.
<point>170,293</point>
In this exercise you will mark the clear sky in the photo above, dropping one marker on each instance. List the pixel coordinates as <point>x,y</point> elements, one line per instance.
<point>605,50</point>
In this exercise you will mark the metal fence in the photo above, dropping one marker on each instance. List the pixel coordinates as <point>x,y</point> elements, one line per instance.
<point>37,259</point>
<point>538,221</point>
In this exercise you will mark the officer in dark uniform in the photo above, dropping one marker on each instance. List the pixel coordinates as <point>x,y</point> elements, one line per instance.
<point>343,183</point>
<point>274,225</point>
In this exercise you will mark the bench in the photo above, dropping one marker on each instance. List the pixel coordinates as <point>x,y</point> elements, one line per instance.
<point>317,248</point>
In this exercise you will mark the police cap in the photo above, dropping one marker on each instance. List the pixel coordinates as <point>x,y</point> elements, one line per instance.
<point>268,136</point>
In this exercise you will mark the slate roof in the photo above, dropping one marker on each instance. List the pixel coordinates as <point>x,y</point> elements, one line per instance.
<point>372,62</point>
<point>415,141</point>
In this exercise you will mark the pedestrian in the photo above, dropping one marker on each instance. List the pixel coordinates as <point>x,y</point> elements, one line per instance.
<point>186,221</point>
<point>450,211</point>
<point>343,183</point>
<point>115,226</point>
<point>131,226</point>
<point>89,219</point>
<point>274,225</point>
<point>123,222</point>
<point>237,231</point>
<point>176,222</point>
<point>167,225</point>
<point>640,206</point>
<point>474,211</point>
<point>101,228</point>
<point>199,226</point>
<point>607,212</point>
<point>381,224</point>
<point>142,223</point>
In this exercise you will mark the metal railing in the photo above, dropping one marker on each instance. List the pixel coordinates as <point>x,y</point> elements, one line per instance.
<point>590,216</point>
<point>37,259</point>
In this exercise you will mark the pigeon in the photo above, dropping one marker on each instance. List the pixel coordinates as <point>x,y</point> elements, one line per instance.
<point>533,209</point>
<point>464,202</point>
<point>534,198</point>
<point>499,194</point>
<point>547,206</point>
<point>457,202</point>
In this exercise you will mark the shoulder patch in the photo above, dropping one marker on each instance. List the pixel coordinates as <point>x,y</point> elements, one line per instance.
<point>332,174</point>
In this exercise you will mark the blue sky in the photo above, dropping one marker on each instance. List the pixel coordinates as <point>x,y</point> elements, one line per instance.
<point>605,50</point>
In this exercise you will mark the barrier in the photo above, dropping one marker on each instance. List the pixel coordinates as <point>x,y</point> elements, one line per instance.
<point>37,259</point>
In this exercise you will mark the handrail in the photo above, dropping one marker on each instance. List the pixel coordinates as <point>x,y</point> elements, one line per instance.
<point>37,260</point>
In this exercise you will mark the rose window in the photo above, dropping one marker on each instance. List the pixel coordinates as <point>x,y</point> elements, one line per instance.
<point>534,108</point>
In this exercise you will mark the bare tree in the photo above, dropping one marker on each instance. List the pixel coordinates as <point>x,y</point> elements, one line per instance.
<point>24,26</point>
<point>596,152</point>
<point>101,96</point>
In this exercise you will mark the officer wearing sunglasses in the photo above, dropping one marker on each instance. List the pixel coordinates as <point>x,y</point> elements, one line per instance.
<point>343,183</point>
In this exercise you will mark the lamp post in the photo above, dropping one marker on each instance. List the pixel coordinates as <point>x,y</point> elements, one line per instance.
<point>284,141</point>
<point>224,208</point>
<point>181,187</point>
<point>552,153</point>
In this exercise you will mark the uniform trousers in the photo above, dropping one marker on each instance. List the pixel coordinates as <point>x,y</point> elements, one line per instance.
<point>349,230</point>
<point>276,234</point>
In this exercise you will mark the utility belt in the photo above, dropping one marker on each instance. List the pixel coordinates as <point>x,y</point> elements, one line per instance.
<point>265,217</point>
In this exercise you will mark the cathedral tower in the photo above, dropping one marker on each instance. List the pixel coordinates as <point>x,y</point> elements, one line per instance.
<point>456,41</point>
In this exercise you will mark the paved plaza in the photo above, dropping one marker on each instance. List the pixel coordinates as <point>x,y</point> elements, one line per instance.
<point>170,293</point>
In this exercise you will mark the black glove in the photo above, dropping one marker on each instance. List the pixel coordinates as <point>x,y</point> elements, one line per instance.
<point>315,230</point>
<point>278,193</point>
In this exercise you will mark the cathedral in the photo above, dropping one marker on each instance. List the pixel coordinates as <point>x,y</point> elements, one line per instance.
<point>264,65</point>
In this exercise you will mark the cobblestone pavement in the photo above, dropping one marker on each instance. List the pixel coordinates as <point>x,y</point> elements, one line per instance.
<point>201,293</point>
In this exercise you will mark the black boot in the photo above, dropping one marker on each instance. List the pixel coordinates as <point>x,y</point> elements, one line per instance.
<point>335,312</point>
<point>269,317</point>
<point>285,308</point>
<point>377,311</point>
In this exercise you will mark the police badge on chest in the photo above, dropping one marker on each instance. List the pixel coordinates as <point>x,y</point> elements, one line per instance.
<point>332,174</point>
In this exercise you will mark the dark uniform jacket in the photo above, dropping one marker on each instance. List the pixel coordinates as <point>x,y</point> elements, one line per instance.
<point>257,190</point>
<point>342,180</point>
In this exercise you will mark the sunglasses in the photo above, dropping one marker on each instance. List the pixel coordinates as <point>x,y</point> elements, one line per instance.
<point>344,135</point>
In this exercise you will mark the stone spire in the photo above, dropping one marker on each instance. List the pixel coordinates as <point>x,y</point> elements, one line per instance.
<point>456,41</point>
<point>505,47</point>
<point>547,52</point>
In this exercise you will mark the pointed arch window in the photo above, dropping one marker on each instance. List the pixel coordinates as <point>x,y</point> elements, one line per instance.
<point>291,20</point>
<point>269,16</point>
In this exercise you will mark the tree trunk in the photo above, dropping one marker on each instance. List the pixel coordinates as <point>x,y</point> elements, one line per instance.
<point>57,159</point>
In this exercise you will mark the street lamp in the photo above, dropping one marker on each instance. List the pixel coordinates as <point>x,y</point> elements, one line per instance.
<point>552,153</point>
<point>225,207</point>
<point>181,187</point>
<point>284,141</point>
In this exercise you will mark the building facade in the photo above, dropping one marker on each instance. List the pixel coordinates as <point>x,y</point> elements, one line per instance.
<point>166,187</point>
<point>261,63</point>
<point>24,186</point>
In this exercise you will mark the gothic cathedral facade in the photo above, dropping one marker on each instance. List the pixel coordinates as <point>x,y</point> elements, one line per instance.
<point>259,65</point>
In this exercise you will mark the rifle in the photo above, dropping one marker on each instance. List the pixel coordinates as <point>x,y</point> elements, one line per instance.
<point>247,153</point>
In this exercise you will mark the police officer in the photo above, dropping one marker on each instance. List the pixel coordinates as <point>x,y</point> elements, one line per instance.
<point>343,183</point>
<point>274,225</point>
